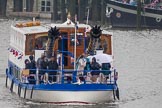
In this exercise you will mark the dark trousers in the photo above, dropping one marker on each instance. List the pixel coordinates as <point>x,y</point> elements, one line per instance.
<point>52,76</point>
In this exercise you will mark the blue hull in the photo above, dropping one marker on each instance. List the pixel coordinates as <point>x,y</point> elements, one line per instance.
<point>39,92</point>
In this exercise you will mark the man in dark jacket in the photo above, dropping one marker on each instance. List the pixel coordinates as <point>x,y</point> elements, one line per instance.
<point>32,65</point>
<point>32,76</point>
<point>53,67</point>
<point>95,67</point>
<point>27,64</point>
<point>42,67</point>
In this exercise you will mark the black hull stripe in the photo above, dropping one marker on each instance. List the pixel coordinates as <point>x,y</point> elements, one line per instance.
<point>132,9</point>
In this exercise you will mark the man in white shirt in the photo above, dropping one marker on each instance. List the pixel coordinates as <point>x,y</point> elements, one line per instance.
<point>81,65</point>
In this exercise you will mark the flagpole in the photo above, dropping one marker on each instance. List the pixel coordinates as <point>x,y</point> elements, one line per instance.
<point>75,43</point>
<point>87,16</point>
<point>75,50</point>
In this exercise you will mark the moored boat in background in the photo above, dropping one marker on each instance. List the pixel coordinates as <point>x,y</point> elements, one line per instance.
<point>123,14</point>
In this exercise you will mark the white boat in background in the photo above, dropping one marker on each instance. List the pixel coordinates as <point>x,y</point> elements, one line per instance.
<point>24,41</point>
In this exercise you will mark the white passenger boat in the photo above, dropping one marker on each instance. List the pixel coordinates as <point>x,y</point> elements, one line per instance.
<point>66,42</point>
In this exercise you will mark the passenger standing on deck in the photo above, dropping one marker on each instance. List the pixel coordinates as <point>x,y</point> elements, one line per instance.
<point>81,65</point>
<point>95,67</point>
<point>88,64</point>
<point>27,64</point>
<point>87,69</point>
<point>25,73</point>
<point>53,67</point>
<point>42,66</point>
<point>32,76</point>
<point>32,65</point>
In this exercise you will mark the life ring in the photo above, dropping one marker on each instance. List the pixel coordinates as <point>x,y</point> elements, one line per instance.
<point>158,19</point>
<point>118,15</point>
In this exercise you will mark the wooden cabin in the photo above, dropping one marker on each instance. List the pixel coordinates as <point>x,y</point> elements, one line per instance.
<point>67,31</point>
<point>30,39</point>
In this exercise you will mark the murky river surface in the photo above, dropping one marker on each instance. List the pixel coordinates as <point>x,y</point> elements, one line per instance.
<point>138,59</point>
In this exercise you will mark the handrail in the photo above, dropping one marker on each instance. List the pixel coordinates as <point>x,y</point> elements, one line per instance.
<point>71,76</point>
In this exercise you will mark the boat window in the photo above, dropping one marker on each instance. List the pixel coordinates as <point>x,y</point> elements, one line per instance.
<point>40,42</point>
<point>79,39</point>
<point>103,43</point>
<point>98,45</point>
<point>106,44</point>
<point>29,44</point>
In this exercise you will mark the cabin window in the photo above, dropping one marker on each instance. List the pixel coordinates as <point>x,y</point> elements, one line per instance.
<point>40,42</point>
<point>29,44</point>
<point>105,46</point>
<point>101,44</point>
<point>45,6</point>
<point>35,43</point>
<point>79,39</point>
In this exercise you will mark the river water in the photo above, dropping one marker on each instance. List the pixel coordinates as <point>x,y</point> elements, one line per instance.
<point>137,59</point>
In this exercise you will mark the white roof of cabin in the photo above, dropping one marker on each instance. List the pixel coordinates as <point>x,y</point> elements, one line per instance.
<point>31,30</point>
<point>107,32</point>
<point>46,27</point>
<point>70,24</point>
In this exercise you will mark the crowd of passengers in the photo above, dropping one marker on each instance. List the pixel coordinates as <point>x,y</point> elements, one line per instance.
<point>151,4</point>
<point>86,71</point>
<point>92,71</point>
<point>42,64</point>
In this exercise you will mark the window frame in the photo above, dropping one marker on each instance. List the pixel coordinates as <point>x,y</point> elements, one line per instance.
<point>45,7</point>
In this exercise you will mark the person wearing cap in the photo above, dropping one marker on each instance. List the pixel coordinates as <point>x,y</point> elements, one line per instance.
<point>27,64</point>
<point>25,72</point>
